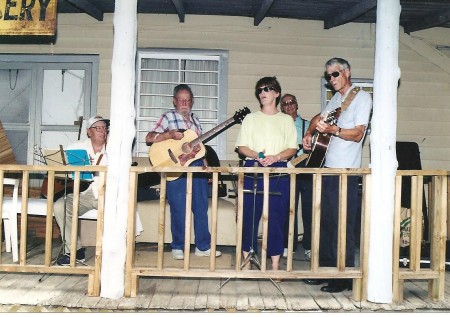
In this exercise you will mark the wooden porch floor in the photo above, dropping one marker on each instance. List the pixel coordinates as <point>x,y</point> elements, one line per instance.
<point>58,293</point>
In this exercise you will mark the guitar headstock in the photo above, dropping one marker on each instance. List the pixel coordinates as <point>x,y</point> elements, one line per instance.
<point>332,117</point>
<point>240,114</point>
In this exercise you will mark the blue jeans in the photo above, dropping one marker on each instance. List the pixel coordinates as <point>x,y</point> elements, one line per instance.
<point>278,204</point>
<point>176,196</point>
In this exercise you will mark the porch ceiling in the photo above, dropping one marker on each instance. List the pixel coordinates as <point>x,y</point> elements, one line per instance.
<point>415,15</point>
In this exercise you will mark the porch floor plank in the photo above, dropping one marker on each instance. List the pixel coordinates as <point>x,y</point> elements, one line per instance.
<point>326,301</point>
<point>147,288</point>
<point>343,299</point>
<point>183,298</point>
<point>227,297</point>
<point>163,293</point>
<point>273,299</point>
<point>255,300</point>
<point>211,289</point>
<point>297,297</point>
<point>23,292</point>
<point>74,291</point>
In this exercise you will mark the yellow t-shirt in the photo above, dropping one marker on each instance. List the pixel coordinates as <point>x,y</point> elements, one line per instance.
<point>270,133</point>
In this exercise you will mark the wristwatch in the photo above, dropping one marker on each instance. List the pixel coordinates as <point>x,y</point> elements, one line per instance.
<point>337,132</point>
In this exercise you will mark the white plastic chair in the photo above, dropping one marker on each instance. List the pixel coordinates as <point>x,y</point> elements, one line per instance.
<point>35,206</point>
<point>9,218</point>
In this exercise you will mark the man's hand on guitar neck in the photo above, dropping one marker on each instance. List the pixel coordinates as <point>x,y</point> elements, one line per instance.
<point>324,127</point>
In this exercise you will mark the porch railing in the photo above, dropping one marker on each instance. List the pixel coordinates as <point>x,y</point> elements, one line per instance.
<point>437,211</point>
<point>47,265</point>
<point>434,271</point>
<point>133,272</point>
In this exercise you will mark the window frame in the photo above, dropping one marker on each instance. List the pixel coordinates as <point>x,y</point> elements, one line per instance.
<point>37,64</point>
<point>222,93</point>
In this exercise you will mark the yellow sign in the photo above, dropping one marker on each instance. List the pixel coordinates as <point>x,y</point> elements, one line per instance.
<point>28,17</point>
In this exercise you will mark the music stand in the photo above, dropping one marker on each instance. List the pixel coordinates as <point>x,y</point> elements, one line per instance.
<point>252,257</point>
<point>58,157</point>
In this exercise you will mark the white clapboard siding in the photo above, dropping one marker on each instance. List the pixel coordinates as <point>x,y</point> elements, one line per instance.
<point>295,52</point>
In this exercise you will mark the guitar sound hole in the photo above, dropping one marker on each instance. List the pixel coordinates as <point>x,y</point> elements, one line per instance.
<point>172,156</point>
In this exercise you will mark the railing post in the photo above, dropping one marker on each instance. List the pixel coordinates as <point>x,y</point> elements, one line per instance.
<point>436,287</point>
<point>131,280</point>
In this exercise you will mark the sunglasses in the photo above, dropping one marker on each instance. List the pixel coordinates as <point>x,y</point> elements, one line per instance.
<point>289,103</point>
<point>266,89</point>
<point>100,128</point>
<point>334,74</point>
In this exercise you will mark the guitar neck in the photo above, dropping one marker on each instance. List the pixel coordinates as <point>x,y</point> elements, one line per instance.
<point>210,133</point>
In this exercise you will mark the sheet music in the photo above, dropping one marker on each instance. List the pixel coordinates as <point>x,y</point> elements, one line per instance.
<point>79,157</point>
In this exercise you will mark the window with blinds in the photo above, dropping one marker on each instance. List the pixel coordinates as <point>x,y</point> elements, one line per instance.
<point>159,71</point>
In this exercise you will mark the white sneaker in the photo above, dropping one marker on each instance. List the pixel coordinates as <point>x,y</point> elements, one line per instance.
<point>308,255</point>
<point>178,254</point>
<point>285,253</point>
<point>206,252</point>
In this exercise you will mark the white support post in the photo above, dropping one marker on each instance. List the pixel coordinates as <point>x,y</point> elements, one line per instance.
<point>119,148</point>
<point>383,151</point>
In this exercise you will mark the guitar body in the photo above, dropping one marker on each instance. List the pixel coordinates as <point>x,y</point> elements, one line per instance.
<point>171,153</point>
<point>320,141</point>
<point>319,150</point>
<point>62,186</point>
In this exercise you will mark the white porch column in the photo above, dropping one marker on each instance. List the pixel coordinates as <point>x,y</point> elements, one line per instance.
<point>119,148</point>
<point>383,151</point>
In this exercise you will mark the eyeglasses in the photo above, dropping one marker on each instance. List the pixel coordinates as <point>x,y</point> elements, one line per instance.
<point>334,74</point>
<point>266,89</point>
<point>184,100</point>
<point>289,103</point>
<point>100,128</point>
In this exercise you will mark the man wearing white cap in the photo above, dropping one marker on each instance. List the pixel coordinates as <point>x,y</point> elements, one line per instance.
<point>95,145</point>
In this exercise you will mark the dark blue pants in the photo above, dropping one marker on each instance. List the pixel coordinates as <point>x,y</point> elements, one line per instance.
<point>329,221</point>
<point>303,187</point>
<point>253,204</point>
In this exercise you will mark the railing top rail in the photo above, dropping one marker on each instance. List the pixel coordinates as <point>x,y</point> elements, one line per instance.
<point>56,168</point>
<point>221,169</point>
<point>423,173</point>
<point>262,170</point>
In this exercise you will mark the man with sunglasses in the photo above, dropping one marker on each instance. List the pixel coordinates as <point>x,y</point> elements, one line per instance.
<point>344,151</point>
<point>289,105</point>
<point>95,145</point>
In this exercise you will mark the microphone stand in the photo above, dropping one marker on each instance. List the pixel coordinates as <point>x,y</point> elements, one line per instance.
<point>252,257</point>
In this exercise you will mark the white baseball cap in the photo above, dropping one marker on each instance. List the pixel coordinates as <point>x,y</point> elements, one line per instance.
<point>96,119</point>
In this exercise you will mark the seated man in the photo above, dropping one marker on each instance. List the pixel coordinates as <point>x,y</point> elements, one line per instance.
<point>95,145</point>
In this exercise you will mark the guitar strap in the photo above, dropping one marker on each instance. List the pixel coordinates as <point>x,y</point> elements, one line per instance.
<point>348,100</point>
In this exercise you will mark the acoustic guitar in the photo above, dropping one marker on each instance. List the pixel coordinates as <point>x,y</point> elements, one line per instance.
<point>62,187</point>
<point>171,153</point>
<point>320,141</point>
